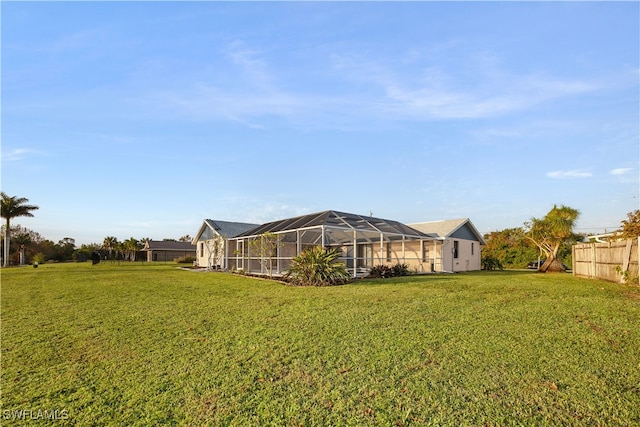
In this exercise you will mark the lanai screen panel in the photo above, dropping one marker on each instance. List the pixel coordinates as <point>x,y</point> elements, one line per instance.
<point>362,240</point>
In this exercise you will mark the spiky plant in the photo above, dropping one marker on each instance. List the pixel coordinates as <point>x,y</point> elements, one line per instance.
<point>318,266</point>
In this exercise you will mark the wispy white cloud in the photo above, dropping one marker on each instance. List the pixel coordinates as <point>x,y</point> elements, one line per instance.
<point>252,65</point>
<point>358,89</point>
<point>620,171</point>
<point>498,95</point>
<point>17,154</point>
<point>569,174</point>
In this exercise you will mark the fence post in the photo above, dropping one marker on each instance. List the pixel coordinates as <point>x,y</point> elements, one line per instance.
<point>594,261</point>
<point>627,255</point>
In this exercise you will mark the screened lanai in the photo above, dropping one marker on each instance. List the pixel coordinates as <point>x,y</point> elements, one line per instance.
<point>363,242</point>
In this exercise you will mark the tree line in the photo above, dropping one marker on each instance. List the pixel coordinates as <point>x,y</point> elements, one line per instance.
<point>28,246</point>
<point>548,238</point>
<point>25,246</point>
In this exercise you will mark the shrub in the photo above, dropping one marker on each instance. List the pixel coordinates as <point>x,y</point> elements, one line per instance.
<point>381,271</point>
<point>186,259</point>
<point>400,270</point>
<point>491,263</point>
<point>39,258</point>
<point>317,267</point>
<point>384,271</point>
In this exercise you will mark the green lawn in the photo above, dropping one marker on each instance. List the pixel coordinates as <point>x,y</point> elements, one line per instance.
<point>152,344</point>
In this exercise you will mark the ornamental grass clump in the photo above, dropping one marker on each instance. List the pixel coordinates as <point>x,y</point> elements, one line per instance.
<point>318,266</point>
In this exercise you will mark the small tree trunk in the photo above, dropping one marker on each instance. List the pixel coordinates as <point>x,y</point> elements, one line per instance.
<point>552,265</point>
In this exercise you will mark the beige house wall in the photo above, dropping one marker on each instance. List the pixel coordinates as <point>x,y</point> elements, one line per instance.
<point>469,258</point>
<point>205,253</point>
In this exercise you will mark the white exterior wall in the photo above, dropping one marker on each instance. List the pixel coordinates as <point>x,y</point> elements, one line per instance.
<point>204,249</point>
<point>466,261</point>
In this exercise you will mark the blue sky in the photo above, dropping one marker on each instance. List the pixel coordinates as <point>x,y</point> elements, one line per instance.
<point>142,119</point>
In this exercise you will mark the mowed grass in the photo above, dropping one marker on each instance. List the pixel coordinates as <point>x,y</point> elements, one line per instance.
<point>154,344</point>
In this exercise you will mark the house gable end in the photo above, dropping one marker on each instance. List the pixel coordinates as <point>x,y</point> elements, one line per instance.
<point>464,233</point>
<point>457,228</point>
<point>213,228</point>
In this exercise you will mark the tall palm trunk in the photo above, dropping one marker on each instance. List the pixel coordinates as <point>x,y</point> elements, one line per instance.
<point>7,242</point>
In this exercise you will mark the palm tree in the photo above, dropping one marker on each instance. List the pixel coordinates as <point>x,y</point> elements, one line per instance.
<point>23,239</point>
<point>550,232</point>
<point>131,246</point>
<point>110,243</point>
<point>13,207</point>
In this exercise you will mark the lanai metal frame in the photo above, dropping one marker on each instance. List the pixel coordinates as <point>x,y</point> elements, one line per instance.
<point>364,241</point>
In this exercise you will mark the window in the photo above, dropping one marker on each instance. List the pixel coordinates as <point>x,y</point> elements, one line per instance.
<point>455,248</point>
<point>471,248</point>
<point>389,252</point>
<point>201,249</point>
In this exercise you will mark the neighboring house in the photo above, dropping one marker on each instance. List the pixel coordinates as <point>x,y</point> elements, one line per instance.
<point>458,244</point>
<point>363,241</point>
<point>168,250</point>
<point>211,240</point>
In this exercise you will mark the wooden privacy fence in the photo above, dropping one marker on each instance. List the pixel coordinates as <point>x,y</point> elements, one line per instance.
<point>606,260</point>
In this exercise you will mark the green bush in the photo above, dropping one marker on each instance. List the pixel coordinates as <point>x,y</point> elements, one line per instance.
<point>381,271</point>
<point>400,270</point>
<point>317,267</point>
<point>39,258</point>
<point>384,271</point>
<point>491,263</point>
<point>185,259</point>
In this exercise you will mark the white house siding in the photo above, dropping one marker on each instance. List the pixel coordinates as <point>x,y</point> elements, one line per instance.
<point>214,234</point>
<point>469,242</point>
<point>206,256</point>
<point>468,259</point>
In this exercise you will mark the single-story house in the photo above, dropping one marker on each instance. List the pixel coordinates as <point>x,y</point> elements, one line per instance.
<point>211,241</point>
<point>363,241</point>
<point>458,244</point>
<point>168,250</point>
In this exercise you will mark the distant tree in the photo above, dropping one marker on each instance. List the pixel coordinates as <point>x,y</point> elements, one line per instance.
<point>265,247</point>
<point>508,248</point>
<point>131,247</point>
<point>185,238</point>
<point>318,266</point>
<point>110,243</point>
<point>86,250</point>
<point>550,233</point>
<point>46,249</point>
<point>33,243</point>
<point>13,207</point>
<point>23,240</point>
<point>65,249</point>
<point>631,226</point>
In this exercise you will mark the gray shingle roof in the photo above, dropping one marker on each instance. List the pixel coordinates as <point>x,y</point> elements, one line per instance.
<point>167,245</point>
<point>227,228</point>
<point>447,228</point>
